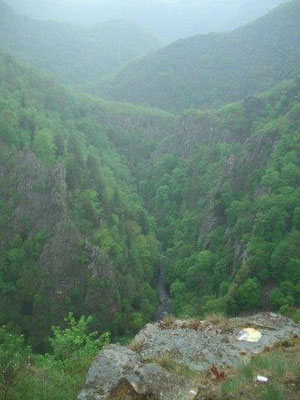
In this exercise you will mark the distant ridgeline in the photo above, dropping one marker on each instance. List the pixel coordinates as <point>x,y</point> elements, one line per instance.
<point>95,195</point>
<point>169,19</point>
<point>73,54</point>
<point>208,70</point>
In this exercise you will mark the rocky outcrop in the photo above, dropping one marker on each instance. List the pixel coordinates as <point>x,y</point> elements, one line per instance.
<point>42,207</point>
<point>190,132</point>
<point>206,344</point>
<point>195,345</point>
<point>201,128</point>
<point>116,364</point>
<point>255,154</point>
<point>129,131</point>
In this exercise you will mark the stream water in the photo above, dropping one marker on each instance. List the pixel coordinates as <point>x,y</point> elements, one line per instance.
<point>164,297</point>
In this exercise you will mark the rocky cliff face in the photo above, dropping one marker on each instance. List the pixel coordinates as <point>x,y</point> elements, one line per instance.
<point>41,208</point>
<point>201,128</point>
<point>141,371</point>
<point>189,132</point>
<point>136,135</point>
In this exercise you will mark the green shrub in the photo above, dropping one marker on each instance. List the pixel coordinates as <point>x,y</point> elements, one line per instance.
<point>13,358</point>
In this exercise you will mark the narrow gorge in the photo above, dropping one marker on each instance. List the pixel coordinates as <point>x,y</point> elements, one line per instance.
<point>150,203</point>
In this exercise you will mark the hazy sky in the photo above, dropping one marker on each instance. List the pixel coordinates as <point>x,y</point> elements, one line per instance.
<point>167,18</point>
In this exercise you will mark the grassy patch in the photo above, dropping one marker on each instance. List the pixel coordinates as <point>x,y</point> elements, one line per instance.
<point>219,320</point>
<point>271,393</point>
<point>169,322</point>
<point>174,367</point>
<point>195,324</point>
<point>136,345</point>
<point>234,385</point>
<point>282,368</point>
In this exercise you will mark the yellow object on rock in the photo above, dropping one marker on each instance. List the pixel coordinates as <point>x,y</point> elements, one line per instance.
<point>249,335</point>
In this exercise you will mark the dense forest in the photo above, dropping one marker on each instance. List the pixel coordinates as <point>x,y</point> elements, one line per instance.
<point>98,197</point>
<point>72,222</point>
<point>209,70</point>
<point>226,199</point>
<point>73,54</point>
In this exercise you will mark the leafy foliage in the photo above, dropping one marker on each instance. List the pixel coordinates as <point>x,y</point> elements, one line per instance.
<point>75,339</point>
<point>13,357</point>
<point>72,225</point>
<point>227,210</point>
<point>59,374</point>
<point>95,196</point>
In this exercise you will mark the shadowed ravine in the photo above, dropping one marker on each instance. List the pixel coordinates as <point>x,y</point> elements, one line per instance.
<point>164,297</point>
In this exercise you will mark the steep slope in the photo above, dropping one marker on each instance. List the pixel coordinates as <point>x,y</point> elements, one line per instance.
<point>168,19</point>
<point>74,233</point>
<point>73,54</point>
<point>225,191</point>
<point>85,183</point>
<point>204,71</point>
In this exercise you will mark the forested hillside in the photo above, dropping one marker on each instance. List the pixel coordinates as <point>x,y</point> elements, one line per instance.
<point>95,196</point>
<point>224,189</point>
<point>205,71</point>
<point>88,187</point>
<point>73,54</point>
<point>104,203</point>
<point>75,235</point>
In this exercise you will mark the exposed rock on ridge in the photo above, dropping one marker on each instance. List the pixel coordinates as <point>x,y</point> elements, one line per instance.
<point>197,347</point>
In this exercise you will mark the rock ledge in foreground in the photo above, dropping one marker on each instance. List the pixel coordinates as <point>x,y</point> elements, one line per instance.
<point>197,346</point>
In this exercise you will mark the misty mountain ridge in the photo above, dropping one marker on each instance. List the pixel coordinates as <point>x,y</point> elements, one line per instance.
<point>168,19</point>
<point>73,54</point>
<point>208,70</point>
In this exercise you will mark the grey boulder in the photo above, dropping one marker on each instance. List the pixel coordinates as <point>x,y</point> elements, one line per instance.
<point>117,365</point>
